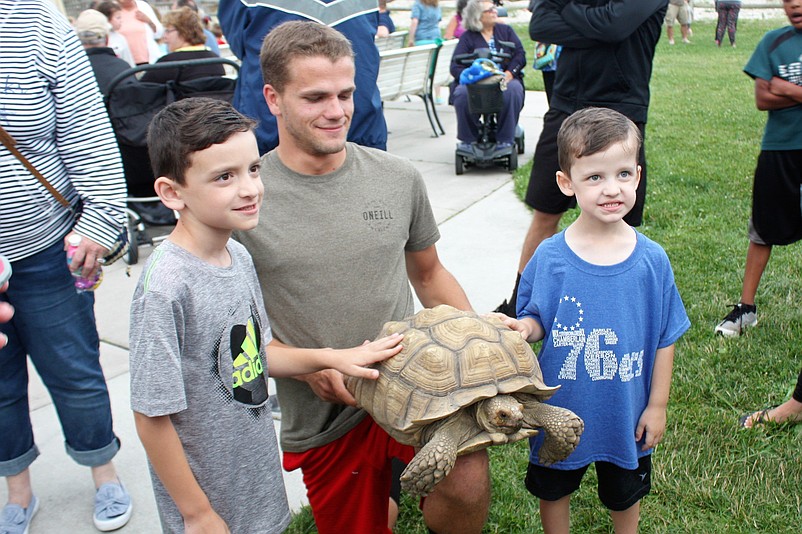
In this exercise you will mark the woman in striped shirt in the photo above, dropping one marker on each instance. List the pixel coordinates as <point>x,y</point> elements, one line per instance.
<point>51,106</point>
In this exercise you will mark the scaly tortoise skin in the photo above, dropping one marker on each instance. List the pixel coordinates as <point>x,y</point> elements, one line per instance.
<point>460,384</point>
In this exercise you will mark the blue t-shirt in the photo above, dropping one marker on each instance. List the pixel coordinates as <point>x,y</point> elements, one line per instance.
<point>428,22</point>
<point>386,21</point>
<point>603,326</point>
<point>779,53</point>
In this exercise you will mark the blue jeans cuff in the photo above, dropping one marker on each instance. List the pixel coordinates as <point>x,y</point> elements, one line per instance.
<point>96,457</point>
<point>19,464</point>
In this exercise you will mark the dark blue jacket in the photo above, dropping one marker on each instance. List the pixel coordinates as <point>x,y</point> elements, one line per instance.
<point>608,48</point>
<point>245,27</point>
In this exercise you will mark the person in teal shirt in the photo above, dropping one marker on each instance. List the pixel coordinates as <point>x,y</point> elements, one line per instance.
<point>776,67</point>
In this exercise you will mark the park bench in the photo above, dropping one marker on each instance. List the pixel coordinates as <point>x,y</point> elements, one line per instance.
<point>394,40</point>
<point>416,71</point>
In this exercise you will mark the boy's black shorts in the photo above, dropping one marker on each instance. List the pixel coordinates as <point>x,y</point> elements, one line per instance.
<point>542,192</point>
<point>776,210</point>
<point>618,488</point>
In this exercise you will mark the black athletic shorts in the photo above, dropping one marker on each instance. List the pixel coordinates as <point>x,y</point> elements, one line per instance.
<point>542,192</point>
<point>618,488</point>
<point>776,209</point>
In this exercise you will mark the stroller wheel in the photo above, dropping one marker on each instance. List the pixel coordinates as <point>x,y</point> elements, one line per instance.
<point>131,257</point>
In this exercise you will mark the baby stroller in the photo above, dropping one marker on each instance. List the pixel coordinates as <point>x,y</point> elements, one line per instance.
<point>131,105</point>
<point>487,101</point>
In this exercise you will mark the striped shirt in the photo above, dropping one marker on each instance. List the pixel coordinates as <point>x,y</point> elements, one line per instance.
<point>51,105</point>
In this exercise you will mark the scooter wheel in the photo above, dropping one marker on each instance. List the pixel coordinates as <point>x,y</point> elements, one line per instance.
<point>520,143</point>
<point>512,161</point>
<point>459,164</point>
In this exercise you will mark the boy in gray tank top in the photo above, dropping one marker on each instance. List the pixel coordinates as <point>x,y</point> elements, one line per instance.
<point>199,334</point>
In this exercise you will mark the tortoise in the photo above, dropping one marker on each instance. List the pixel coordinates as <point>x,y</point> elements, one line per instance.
<point>460,384</point>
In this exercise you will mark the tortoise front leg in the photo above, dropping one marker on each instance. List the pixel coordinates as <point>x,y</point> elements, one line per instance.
<point>563,428</point>
<point>437,457</point>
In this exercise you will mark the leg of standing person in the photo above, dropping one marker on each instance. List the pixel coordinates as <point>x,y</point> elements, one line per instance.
<point>67,359</point>
<point>460,503</point>
<point>732,22</point>
<point>626,521</point>
<point>721,23</point>
<point>669,20</point>
<point>757,258</point>
<point>543,196</point>
<point>788,412</point>
<point>776,220</point>
<point>555,516</point>
<point>684,18</point>
<point>548,83</point>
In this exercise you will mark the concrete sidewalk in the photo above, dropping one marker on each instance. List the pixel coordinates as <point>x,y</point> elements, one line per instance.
<point>482,224</point>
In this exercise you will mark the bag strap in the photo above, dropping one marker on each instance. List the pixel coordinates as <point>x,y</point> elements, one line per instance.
<point>10,143</point>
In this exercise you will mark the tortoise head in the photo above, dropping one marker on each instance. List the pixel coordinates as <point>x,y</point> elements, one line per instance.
<point>501,413</point>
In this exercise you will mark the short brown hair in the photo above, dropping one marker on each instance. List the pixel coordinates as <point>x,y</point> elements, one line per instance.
<point>187,23</point>
<point>188,126</point>
<point>299,39</point>
<point>108,7</point>
<point>592,130</point>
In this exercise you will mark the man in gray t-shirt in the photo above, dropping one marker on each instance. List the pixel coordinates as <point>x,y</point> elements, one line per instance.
<point>345,231</point>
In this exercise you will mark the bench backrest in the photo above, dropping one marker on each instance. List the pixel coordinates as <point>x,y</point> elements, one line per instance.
<point>405,71</point>
<point>442,68</point>
<point>394,40</point>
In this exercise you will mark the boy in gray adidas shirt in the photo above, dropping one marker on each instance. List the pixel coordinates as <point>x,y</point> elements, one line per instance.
<point>199,332</point>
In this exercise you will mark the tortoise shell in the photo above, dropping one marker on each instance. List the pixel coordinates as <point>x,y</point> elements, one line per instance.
<point>450,360</point>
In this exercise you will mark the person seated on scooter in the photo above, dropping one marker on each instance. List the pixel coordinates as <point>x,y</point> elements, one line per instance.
<point>483,30</point>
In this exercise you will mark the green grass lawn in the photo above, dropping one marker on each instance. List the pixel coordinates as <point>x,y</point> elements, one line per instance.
<point>709,476</point>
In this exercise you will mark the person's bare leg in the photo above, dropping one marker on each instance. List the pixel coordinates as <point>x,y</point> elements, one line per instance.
<point>626,521</point>
<point>790,411</point>
<point>542,227</point>
<point>757,257</point>
<point>19,488</point>
<point>555,515</point>
<point>392,514</point>
<point>685,30</point>
<point>102,474</point>
<point>460,503</point>
<point>670,34</point>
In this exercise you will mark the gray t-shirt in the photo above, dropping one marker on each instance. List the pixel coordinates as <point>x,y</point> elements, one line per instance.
<point>198,338</point>
<point>330,254</point>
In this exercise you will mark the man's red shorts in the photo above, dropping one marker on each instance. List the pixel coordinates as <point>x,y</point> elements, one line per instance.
<point>348,480</point>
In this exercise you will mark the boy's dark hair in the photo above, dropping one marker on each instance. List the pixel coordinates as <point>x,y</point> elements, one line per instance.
<point>592,130</point>
<point>188,126</point>
<point>298,38</point>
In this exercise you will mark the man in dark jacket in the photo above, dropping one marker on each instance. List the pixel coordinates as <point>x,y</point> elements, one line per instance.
<point>606,61</point>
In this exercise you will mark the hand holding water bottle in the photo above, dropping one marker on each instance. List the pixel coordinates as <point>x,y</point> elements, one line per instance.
<point>6,309</point>
<point>83,259</point>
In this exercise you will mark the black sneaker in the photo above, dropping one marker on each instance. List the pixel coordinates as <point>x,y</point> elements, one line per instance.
<point>506,308</point>
<point>741,316</point>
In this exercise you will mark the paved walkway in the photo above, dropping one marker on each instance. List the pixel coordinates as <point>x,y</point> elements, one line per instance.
<point>482,224</point>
